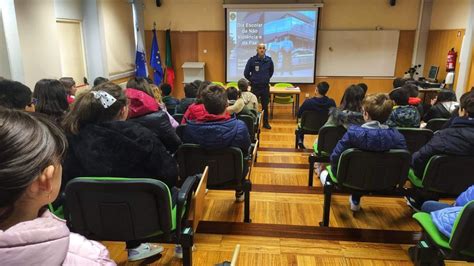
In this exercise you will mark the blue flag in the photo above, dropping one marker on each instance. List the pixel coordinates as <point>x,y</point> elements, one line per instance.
<point>155,60</point>
<point>140,59</point>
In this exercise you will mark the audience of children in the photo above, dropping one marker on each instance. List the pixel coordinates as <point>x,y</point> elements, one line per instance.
<point>51,99</point>
<point>190,92</point>
<point>403,114</point>
<point>197,111</point>
<point>249,98</point>
<point>170,101</point>
<point>457,139</point>
<point>216,129</point>
<point>31,148</point>
<point>70,87</point>
<point>442,106</point>
<point>373,135</point>
<point>319,103</point>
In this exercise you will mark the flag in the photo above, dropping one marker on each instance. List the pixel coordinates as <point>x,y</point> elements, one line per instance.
<point>169,66</point>
<point>140,59</point>
<point>155,60</point>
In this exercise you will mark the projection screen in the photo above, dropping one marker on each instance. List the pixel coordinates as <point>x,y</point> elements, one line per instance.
<point>290,36</point>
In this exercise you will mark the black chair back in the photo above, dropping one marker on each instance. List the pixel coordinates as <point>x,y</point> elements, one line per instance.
<point>118,209</point>
<point>461,241</point>
<point>373,171</point>
<point>312,121</point>
<point>449,174</point>
<point>250,122</point>
<point>436,124</point>
<point>328,138</point>
<point>225,165</point>
<point>178,117</point>
<point>180,131</point>
<point>416,137</point>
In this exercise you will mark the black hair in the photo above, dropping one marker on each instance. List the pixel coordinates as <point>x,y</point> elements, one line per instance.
<point>203,85</point>
<point>322,87</point>
<point>412,89</point>
<point>467,103</point>
<point>100,80</point>
<point>190,90</point>
<point>14,94</point>
<point>149,80</point>
<point>398,82</point>
<point>28,144</point>
<point>233,93</point>
<point>446,96</point>
<point>68,83</point>
<point>364,87</point>
<point>52,98</point>
<point>89,110</point>
<point>165,89</point>
<point>243,84</point>
<point>352,99</point>
<point>140,84</point>
<point>399,96</point>
<point>215,99</point>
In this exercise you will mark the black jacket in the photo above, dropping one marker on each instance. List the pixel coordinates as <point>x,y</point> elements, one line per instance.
<point>184,104</point>
<point>437,111</point>
<point>118,149</point>
<point>159,123</point>
<point>259,71</point>
<point>458,139</point>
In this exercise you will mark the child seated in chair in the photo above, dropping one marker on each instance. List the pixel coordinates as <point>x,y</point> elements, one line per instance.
<point>249,98</point>
<point>319,103</point>
<point>373,135</point>
<point>170,101</point>
<point>190,92</point>
<point>236,103</point>
<point>403,114</point>
<point>216,130</point>
<point>31,148</point>
<point>457,139</point>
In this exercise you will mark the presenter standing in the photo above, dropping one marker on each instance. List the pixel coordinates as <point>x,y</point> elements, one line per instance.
<point>258,71</point>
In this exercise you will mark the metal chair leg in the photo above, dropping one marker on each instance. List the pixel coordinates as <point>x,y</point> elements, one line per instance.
<point>328,186</point>
<point>311,160</point>
<point>187,242</point>
<point>247,187</point>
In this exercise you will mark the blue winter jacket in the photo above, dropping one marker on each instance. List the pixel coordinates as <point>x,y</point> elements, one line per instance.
<point>444,218</point>
<point>370,137</point>
<point>220,134</point>
<point>259,70</point>
<point>322,104</point>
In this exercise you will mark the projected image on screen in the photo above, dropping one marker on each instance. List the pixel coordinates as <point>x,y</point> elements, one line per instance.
<point>290,38</point>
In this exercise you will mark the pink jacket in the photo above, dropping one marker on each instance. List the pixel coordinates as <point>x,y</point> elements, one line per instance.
<point>46,240</point>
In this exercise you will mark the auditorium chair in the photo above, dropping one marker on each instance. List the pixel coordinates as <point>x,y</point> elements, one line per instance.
<point>310,124</point>
<point>218,83</point>
<point>178,117</point>
<point>250,123</point>
<point>434,247</point>
<point>416,137</point>
<point>232,84</point>
<point>367,173</point>
<point>283,98</point>
<point>436,124</point>
<point>226,167</point>
<point>445,175</point>
<point>126,209</point>
<point>328,137</point>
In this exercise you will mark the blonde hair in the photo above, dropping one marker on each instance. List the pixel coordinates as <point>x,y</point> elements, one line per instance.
<point>378,106</point>
<point>156,93</point>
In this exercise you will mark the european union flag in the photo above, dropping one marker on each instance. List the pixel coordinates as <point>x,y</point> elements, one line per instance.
<point>140,59</point>
<point>155,60</point>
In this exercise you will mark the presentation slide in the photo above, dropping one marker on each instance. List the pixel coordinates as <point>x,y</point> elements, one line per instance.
<point>289,36</point>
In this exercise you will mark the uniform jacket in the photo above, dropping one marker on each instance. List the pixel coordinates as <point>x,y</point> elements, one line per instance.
<point>259,70</point>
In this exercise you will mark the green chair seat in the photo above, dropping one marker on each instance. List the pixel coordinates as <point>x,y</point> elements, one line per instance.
<point>416,181</point>
<point>218,83</point>
<point>231,84</point>
<point>283,99</point>
<point>425,221</point>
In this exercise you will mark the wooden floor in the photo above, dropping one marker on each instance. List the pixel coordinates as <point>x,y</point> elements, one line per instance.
<point>285,215</point>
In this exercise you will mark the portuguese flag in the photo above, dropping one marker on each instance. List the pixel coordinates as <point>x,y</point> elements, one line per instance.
<point>169,71</point>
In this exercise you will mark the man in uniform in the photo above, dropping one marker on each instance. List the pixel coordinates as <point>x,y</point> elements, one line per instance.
<point>258,71</point>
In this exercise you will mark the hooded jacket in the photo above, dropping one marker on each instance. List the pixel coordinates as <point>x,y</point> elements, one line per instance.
<point>319,104</point>
<point>458,139</point>
<point>250,100</point>
<point>46,240</point>
<point>144,110</point>
<point>118,149</point>
<point>441,110</point>
<point>197,112</point>
<point>218,134</point>
<point>371,136</point>
<point>346,118</point>
<point>404,116</point>
<point>238,107</point>
<point>444,219</point>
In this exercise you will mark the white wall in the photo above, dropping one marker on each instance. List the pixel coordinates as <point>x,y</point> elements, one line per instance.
<point>38,40</point>
<point>68,9</point>
<point>4,63</point>
<point>12,39</point>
